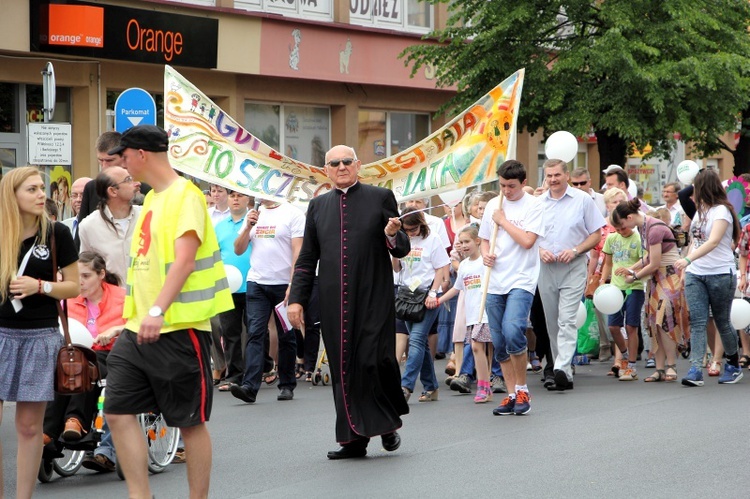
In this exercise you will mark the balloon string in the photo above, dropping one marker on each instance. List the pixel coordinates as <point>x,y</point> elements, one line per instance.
<point>423,209</point>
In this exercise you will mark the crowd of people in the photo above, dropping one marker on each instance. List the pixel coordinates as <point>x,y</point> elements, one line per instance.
<point>495,285</point>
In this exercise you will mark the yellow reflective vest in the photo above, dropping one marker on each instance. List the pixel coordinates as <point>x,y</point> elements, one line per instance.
<point>206,291</point>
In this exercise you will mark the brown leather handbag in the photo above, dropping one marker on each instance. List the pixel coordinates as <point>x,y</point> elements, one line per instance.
<point>77,368</point>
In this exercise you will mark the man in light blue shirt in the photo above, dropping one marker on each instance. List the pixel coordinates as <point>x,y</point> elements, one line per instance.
<point>233,321</point>
<point>572,227</point>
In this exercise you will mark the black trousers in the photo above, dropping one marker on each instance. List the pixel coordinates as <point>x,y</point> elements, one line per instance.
<point>308,347</point>
<point>232,324</point>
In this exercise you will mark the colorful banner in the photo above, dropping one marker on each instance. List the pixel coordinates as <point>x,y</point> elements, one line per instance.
<point>208,144</point>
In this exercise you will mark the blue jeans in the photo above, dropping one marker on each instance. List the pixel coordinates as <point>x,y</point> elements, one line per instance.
<point>509,316</point>
<point>718,292</point>
<point>467,365</point>
<point>420,358</point>
<point>261,300</point>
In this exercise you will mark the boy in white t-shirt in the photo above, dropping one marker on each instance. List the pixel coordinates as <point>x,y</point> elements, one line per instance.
<point>513,278</point>
<point>275,233</point>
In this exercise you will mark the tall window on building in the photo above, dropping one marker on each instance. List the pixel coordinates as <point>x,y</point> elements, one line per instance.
<point>320,10</point>
<point>383,133</point>
<point>415,16</point>
<point>300,132</point>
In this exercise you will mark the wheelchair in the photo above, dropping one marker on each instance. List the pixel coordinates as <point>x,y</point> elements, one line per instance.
<point>65,458</point>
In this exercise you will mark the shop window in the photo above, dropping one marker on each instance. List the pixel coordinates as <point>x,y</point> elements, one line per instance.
<point>35,105</point>
<point>8,108</point>
<point>410,15</point>
<point>382,133</point>
<point>300,132</point>
<point>204,3</point>
<point>321,10</point>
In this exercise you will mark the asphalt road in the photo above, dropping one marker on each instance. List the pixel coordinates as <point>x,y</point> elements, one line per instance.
<point>603,439</point>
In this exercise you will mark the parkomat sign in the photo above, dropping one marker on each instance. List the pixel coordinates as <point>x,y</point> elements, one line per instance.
<point>127,34</point>
<point>76,26</point>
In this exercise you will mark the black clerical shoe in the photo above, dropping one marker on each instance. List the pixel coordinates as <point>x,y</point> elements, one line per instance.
<point>348,451</point>
<point>285,394</point>
<point>562,382</point>
<point>391,441</point>
<point>242,393</point>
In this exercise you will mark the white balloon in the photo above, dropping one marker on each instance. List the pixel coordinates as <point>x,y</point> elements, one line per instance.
<point>608,299</point>
<point>581,315</point>
<point>687,170</point>
<point>234,276</point>
<point>740,314</point>
<point>452,198</point>
<point>561,145</point>
<point>78,333</point>
<point>632,188</point>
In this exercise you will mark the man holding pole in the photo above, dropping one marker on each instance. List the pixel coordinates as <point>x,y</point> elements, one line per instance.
<point>511,224</point>
<point>572,229</point>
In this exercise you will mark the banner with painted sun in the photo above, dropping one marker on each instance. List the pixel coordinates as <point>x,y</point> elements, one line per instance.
<point>207,143</point>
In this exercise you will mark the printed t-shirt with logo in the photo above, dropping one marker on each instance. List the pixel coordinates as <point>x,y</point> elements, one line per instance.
<point>625,252</point>
<point>515,266</point>
<point>469,280</point>
<point>39,310</point>
<point>189,216</point>
<point>271,238</point>
<point>719,260</point>
<point>418,267</point>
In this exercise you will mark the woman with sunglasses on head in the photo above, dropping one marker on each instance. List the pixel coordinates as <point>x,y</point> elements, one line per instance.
<point>29,291</point>
<point>666,310</point>
<point>423,269</point>
<point>710,275</point>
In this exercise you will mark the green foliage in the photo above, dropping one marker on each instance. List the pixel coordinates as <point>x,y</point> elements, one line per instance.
<point>639,70</point>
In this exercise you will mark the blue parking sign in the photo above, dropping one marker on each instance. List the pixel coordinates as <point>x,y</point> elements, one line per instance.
<point>134,107</point>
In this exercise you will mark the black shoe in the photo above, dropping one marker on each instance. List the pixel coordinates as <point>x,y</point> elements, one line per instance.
<point>285,394</point>
<point>391,441</point>
<point>348,451</point>
<point>562,382</point>
<point>242,393</point>
<point>439,356</point>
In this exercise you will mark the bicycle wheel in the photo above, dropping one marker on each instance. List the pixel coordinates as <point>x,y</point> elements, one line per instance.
<point>69,463</point>
<point>45,470</point>
<point>161,441</point>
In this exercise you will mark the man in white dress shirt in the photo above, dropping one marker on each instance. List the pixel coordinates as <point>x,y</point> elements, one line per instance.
<point>669,194</point>
<point>572,227</point>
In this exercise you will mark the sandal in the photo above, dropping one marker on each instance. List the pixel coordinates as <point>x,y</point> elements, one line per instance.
<point>745,361</point>
<point>270,377</point>
<point>715,369</point>
<point>308,376</point>
<point>224,387</point>
<point>299,371</point>
<point>671,377</point>
<point>659,375</point>
<point>614,371</point>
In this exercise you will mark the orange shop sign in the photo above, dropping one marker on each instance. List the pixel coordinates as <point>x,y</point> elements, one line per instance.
<point>76,25</point>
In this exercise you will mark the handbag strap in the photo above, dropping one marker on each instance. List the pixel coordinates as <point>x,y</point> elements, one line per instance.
<point>62,313</point>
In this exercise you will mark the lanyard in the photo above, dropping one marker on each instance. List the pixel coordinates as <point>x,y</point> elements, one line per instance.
<point>17,305</point>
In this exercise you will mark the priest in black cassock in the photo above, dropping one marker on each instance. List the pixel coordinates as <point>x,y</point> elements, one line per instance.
<point>351,230</point>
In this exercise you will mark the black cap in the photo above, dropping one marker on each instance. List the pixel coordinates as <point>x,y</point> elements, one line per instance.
<point>146,137</point>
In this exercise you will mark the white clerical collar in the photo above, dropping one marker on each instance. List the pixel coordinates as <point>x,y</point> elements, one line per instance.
<point>345,189</point>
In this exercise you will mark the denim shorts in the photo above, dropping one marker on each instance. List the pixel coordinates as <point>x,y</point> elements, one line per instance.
<point>508,316</point>
<point>630,313</point>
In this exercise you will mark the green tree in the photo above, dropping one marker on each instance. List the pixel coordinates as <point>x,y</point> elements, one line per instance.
<point>632,71</point>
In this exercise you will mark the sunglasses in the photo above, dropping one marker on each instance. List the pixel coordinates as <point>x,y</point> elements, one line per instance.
<point>336,162</point>
<point>576,184</point>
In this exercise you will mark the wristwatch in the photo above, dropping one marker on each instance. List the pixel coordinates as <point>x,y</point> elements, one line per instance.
<point>432,293</point>
<point>155,311</point>
<point>632,272</point>
<point>47,287</point>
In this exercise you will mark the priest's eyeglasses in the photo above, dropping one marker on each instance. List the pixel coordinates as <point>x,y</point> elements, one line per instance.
<point>336,162</point>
